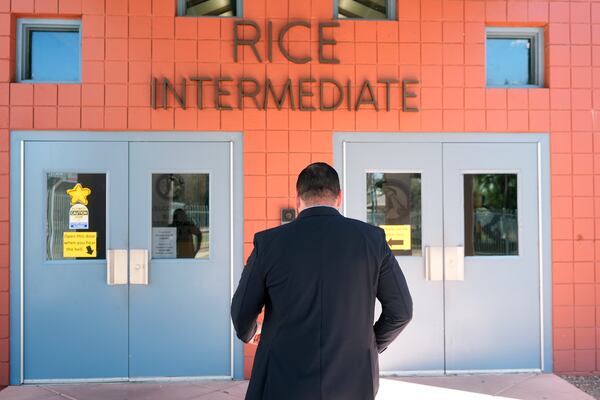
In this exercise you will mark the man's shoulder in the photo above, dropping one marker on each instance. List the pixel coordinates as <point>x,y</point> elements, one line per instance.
<point>364,226</point>
<point>344,222</point>
<point>272,232</point>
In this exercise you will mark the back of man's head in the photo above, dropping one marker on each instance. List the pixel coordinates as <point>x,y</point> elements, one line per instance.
<point>318,183</point>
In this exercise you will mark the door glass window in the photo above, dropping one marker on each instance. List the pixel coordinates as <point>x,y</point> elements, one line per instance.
<point>491,226</point>
<point>180,216</point>
<point>76,216</point>
<point>394,204</point>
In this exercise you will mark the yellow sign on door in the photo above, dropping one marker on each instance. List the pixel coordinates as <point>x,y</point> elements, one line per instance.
<point>397,236</point>
<point>79,244</point>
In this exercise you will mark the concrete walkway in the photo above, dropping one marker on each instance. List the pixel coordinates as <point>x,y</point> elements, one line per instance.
<point>466,387</point>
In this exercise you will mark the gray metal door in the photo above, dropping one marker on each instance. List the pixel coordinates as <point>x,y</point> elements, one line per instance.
<point>392,184</point>
<point>491,211</point>
<point>180,222</point>
<point>463,220</point>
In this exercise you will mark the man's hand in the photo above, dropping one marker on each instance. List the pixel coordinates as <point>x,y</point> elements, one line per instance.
<point>256,338</point>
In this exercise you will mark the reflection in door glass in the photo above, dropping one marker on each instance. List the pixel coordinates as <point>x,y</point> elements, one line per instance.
<point>491,226</point>
<point>394,204</point>
<point>75,216</point>
<point>180,216</point>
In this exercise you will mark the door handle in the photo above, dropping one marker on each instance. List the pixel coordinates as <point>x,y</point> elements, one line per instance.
<point>138,266</point>
<point>434,263</point>
<point>116,267</point>
<point>454,263</point>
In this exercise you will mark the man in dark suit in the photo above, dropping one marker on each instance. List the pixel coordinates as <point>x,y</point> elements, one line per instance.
<point>318,278</point>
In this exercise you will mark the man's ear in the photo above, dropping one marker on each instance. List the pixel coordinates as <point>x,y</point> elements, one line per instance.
<point>338,200</point>
<point>298,203</point>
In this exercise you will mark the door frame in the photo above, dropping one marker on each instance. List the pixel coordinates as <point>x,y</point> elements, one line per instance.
<point>340,139</point>
<point>18,139</point>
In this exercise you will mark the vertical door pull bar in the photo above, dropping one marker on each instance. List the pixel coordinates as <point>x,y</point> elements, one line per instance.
<point>116,267</point>
<point>138,267</point>
<point>455,263</point>
<point>434,263</point>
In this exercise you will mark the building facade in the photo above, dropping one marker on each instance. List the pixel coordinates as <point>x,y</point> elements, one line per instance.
<point>144,142</point>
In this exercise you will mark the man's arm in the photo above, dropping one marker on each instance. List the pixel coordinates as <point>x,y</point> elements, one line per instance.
<point>249,298</point>
<point>395,299</point>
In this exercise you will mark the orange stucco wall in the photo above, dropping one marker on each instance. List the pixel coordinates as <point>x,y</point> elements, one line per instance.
<point>440,43</point>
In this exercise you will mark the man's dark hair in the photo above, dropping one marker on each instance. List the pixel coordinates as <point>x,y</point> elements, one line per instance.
<point>318,181</point>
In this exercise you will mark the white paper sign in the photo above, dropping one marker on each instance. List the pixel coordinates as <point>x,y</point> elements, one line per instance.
<point>79,217</point>
<point>164,242</point>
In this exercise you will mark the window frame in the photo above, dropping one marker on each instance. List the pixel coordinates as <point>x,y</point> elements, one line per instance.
<point>536,36</point>
<point>390,6</point>
<point>181,11</point>
<point>24,27</point>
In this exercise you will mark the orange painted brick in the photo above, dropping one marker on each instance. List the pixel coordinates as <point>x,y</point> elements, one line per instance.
<point>583,164</point>
<point>277,186</point>
<point>277,141</point>
<point>583,229</point>
<point>255,208</point>
<point>538,11</point>
<point>21,94</point>
<point>116,95</point>
<point>117,26</point>
<point>583,142</point>
<point>583,250</point>
<point>251,228</point>
<point>366,31</point>
<point>92,7</point>
<point>116,72</point>
<point>115,118</point>
<point>562,229</point>
<point>277,163</point>
<point>563,293</point>
<point>475,120</point>
<point>92,49</point>
<point>69,118</point>
<point>563,316</point>
<point>4,117</point>
<point>45,6</point>
<point>45,95</point>
<point>539,99</point>
<point>583,207</point>
<point>21,117</point>
<point>116,7</point>
<point>409,32</point>
<point>138,118</point>
<point>559,11</point>
<point>539,121</point>
<point>116,49</point>
<point>22,6</point>
<point>409,10</point>
<point>564,338</point>
<point>92,117</point>
<point>140,27</point>
<point>564,360</point>
<point>583,185</point>
<point>431,32</point>
<point>582,99</point>
<point>92,26</point>
<point>453,32</point>
<point>185,119</point>
<point>516,11</point>
<point>518,120</point>
<point>92,95</point>
<point>255,186</point>
<point>431,10</point>
<point>186,28</point>
<point>495,11</point>
<point>585,338</point>
<point>431,54</point>
<point>163,27</point>
<point>163,119</point>
<point>44,118</point>
<point>163,8</point>
<point>92,71</point>
<point>140,7</point>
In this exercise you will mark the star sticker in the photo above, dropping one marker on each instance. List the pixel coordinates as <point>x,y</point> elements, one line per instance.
<point>79,194</point>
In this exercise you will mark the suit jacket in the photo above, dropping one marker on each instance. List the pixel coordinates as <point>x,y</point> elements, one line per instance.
<point>317,278</point>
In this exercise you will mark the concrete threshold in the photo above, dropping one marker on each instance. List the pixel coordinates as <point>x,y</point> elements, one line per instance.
<point>459,387</point>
